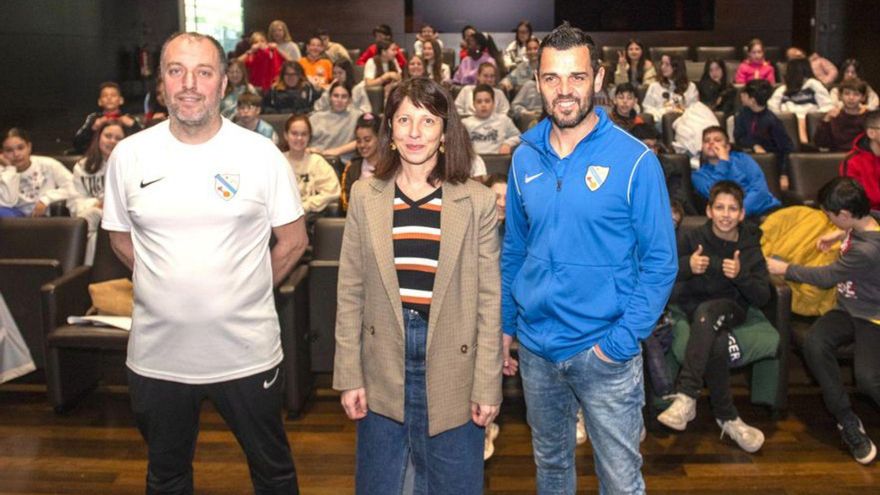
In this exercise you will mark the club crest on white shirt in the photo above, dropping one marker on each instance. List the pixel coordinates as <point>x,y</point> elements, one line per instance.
<point>226,185</point>
<point>596,175</point>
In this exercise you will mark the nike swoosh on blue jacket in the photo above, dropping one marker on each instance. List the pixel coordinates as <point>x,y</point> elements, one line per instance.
<point>589,247</point>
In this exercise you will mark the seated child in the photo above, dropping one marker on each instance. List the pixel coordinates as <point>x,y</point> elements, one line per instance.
<point>87,196</point>
<point>527,106</point>
<point>758,129</point>
<point>856,318</point>
<point>841,125</point>
<point>624,112</point>
<point>863,162</point>
<point>317,181</point>
<point>248,116</point>
<point>490,132</point>
<point>722,281</point>
<point>718,163</point>
<point>110,101</point>
<point>29,183</point>
<point>487,75</point>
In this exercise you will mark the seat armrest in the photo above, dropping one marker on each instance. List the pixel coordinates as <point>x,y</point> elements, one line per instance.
<point>781,316</point>
<point>65,296</point>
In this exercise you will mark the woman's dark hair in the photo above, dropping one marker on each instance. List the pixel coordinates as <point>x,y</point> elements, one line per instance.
<point>850,62</point>
<point>639,65</point>
<point>466,28</point>
<point>434,69</point>
<point>381,46</point>
<point>454,165</point>
<point>346,67</point>
<point>280,85</point>
<point>496,179</point>
<point>708,65</point>
<point>522,23</point>
<point>93,158</point>
<point>679,74</point>
<point>369,120</point>
<point>844,193</point>
<point>797,71</point>
<point>17,132</point>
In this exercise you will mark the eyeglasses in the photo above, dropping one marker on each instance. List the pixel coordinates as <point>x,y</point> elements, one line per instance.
<point>290,74</point>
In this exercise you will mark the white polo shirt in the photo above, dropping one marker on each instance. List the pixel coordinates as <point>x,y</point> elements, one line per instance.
<point>200,218</point>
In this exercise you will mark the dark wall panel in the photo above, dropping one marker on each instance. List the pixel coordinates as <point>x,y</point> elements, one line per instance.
<point>56,52</point>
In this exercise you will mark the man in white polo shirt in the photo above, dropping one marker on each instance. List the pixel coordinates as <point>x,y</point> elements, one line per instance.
<point>190,205</point>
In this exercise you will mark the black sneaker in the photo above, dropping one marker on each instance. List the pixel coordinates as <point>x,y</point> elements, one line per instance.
<point>860,445</point>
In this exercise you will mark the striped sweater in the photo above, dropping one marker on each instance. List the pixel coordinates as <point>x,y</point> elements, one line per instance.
<point>416,236</point>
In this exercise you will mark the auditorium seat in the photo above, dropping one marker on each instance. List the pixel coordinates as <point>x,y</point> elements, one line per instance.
<point>730,66</point>
<point>666,128</point>
<point>808,172</point>
<point>704,53</point>
<point>277,121</point>
<point>79,356</point>
<point>677,171</point>
<point>497,164</point>
<point>449,57</point>
<point>358,71</point>
<point>377,99</point>
<point>694,70</point>
<point>658,51</point>
<point>354,53</point>
<point>34,251</point>
<point>813,121</point>
<point>323,275</point>
<point>68,160</point>
<point>767,162</point>
<point>790,123</point>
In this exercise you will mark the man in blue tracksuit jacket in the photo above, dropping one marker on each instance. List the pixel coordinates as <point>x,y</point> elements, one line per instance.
<point>588,263</point>
<point>720,163</point>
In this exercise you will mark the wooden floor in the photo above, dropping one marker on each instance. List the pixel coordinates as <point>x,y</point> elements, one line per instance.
<point>96,450</point>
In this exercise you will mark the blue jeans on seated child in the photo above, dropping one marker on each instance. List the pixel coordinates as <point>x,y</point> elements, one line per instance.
<point>448,463</point>
<point>6,212</point>
<point>611,395</point>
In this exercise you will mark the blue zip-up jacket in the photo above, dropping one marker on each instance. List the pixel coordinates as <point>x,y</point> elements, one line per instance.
<point>589,250</point>
<point>742,169</point>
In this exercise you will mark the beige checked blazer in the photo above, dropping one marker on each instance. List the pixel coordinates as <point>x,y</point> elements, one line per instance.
<point>463,355</point>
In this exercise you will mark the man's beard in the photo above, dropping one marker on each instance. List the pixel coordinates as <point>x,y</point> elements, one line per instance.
<point>568,123</point>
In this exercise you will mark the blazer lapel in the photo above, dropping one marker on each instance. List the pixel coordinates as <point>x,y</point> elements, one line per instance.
<point>455,217</point>
<point>380,218</point>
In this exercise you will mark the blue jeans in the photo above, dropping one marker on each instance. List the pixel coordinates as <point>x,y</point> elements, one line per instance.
<point>448,463</point>
<point>611,395</point>
<point>8,212</point>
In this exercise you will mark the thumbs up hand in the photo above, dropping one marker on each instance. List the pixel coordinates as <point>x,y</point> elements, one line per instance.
<point>699,263</point>
<point>731,266</point>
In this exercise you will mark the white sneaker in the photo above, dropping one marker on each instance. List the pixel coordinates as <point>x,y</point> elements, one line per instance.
<point>747,437</point>
<point>682,410</point>
<point>581,429</point>
<point>489,443</point>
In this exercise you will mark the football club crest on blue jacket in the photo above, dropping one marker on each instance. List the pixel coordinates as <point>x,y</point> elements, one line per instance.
<point>226,185</point>
<point>596,175</point>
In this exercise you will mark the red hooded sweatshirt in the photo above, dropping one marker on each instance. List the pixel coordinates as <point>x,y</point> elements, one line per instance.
<point>864,166</point>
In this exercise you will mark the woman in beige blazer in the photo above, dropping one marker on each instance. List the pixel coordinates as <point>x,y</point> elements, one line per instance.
<point>418,341</point>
